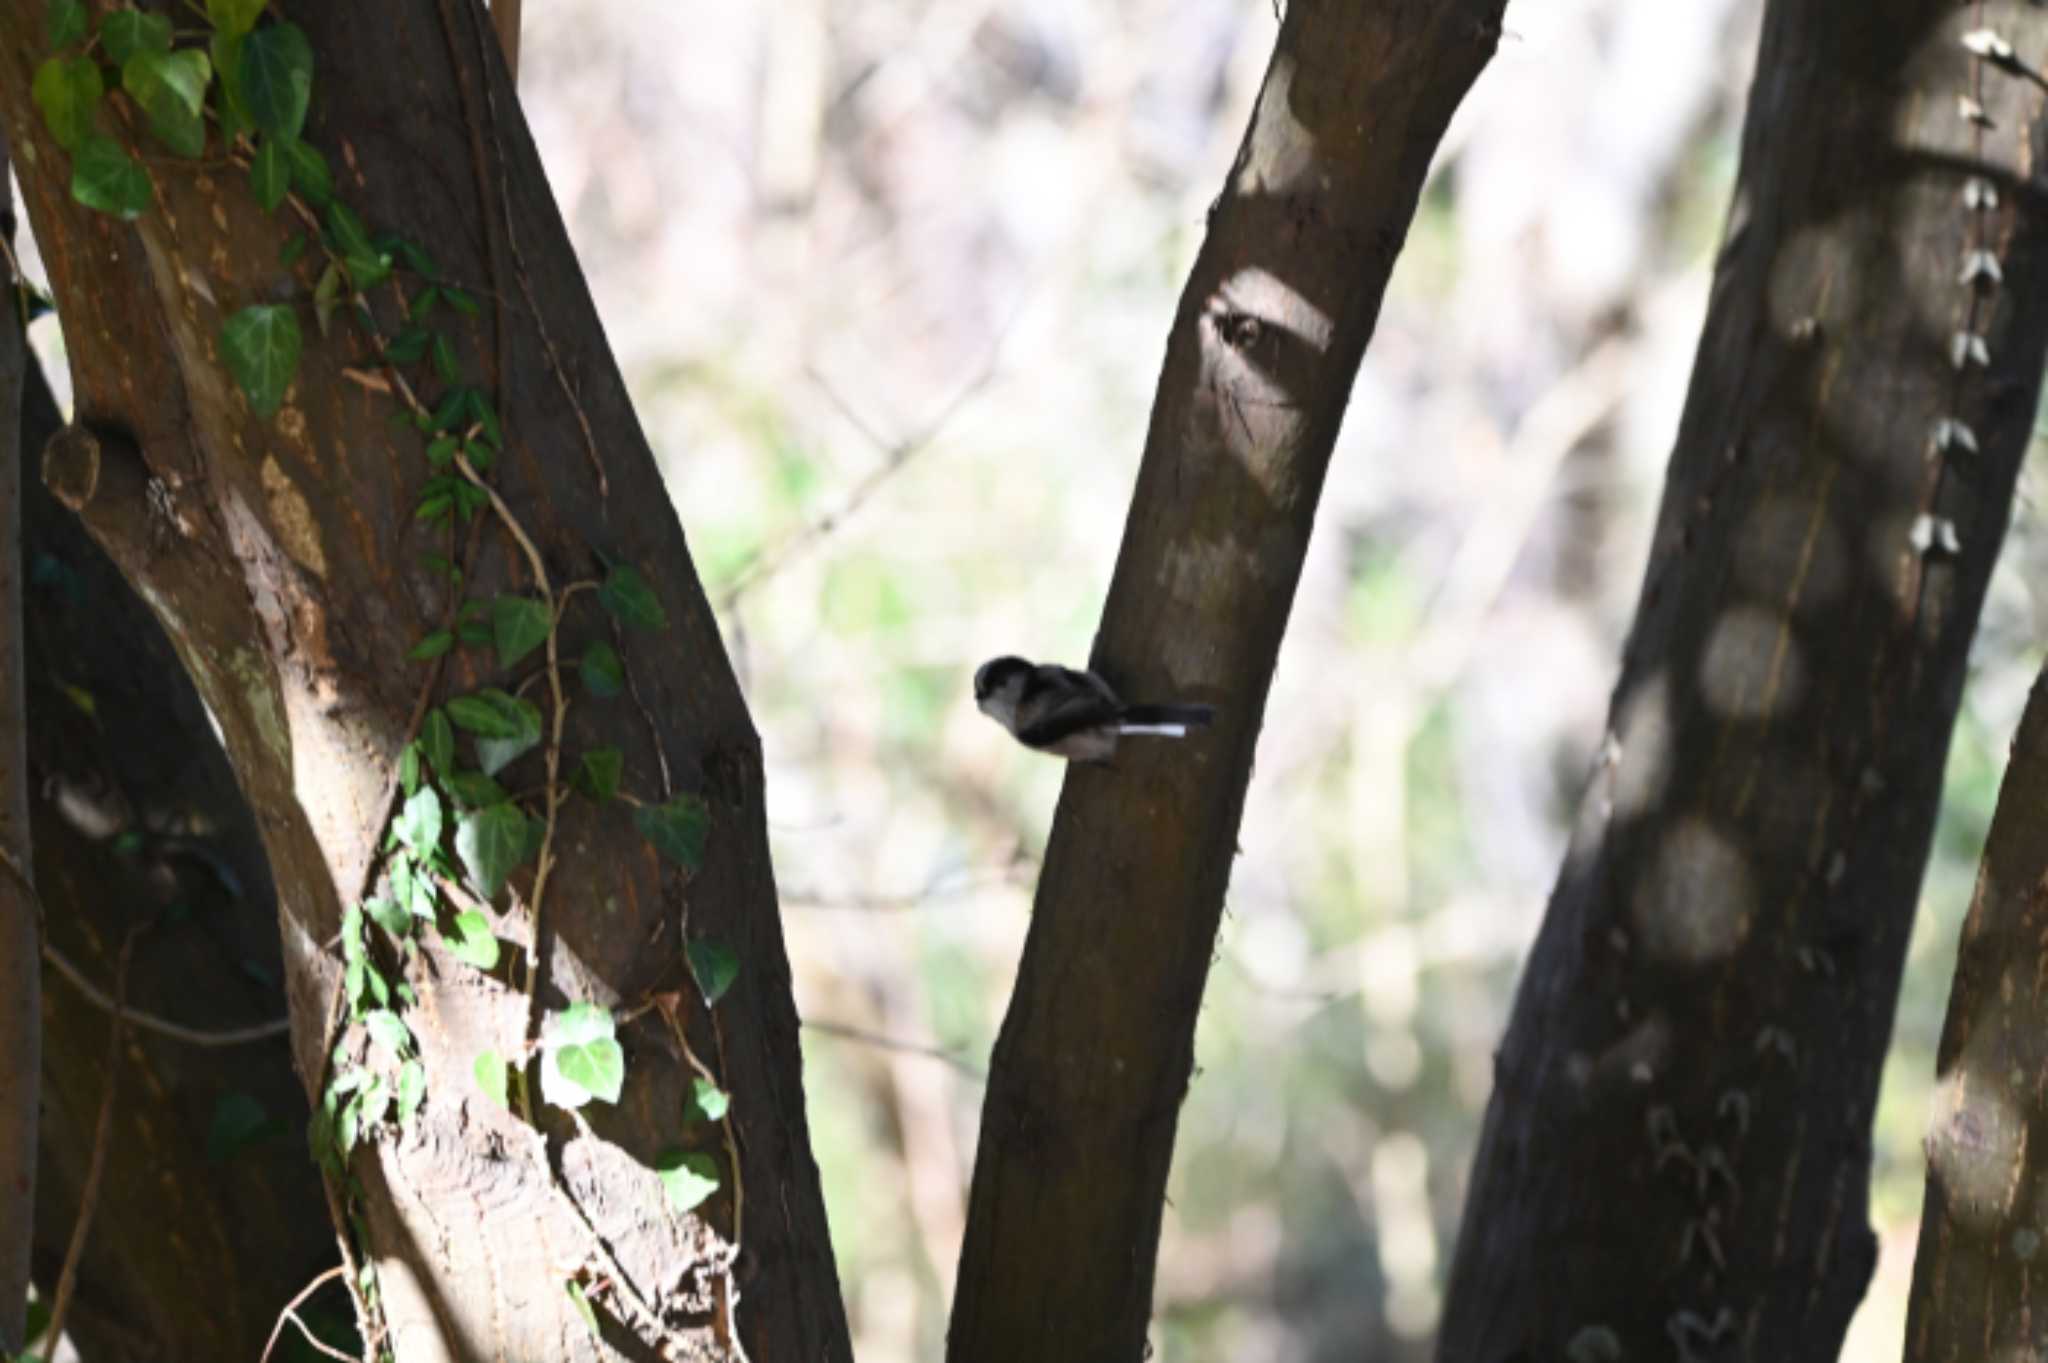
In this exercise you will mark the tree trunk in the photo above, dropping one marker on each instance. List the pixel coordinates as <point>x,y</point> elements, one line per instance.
<point>1980,1236</point>
<point>21,1000</point>
<point>1095,1053</point>
<point>137,816</point>
<point>1678,1147</point>
<point>285,559</point>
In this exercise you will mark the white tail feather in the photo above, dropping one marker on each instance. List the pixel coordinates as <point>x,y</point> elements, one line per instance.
<point>1161,730</point>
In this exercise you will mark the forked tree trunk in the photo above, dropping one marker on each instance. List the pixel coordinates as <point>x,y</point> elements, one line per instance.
<point>1677,1154</point>
<point>285,561</point>
<point>1096,1051</point>
<point>209,1216</point>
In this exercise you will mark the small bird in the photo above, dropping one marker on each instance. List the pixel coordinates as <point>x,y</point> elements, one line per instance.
<point>1075,715</point>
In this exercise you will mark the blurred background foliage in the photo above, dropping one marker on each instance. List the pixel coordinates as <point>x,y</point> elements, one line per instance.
<point>891,280</point>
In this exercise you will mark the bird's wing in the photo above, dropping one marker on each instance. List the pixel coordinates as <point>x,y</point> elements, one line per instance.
<point>1059,702</point>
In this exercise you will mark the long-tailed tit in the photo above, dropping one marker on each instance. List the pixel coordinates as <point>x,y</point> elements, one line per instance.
<point>1076,715</point>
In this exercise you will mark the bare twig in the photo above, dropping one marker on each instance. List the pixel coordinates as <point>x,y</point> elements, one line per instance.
<point>890,1043</point>
<point>149,1022</point>
<point>291,1313</point>
<point>897,455</point>
<point>102,1137</point>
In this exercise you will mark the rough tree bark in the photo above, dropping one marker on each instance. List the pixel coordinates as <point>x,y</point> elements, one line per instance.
<point>21,1000</point>
<point>136,815</point>
<point>1095,1054</point>
<point>1677,1151</point>
<point>283,559</point>
<point>1987,1197</point>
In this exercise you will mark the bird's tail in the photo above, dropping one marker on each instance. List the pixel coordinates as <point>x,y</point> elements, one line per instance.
<point>1165,721</point>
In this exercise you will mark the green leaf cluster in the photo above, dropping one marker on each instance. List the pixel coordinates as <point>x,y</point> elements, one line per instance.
<point>580,1057</point>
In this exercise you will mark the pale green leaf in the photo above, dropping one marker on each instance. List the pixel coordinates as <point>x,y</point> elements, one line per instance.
<point>489,1071</point>
<point>472,941</point>
<point>412,1089</point>
<point>687,1176</point>
<point>261,345</point>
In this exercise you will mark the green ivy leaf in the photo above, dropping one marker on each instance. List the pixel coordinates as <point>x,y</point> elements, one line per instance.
<point>409,768</point>
<point>445,363</point>
<point>413,889</point>
<point>433,646</point>
<point>472,941</point>
<point>687,1176</point>
<point>473,789</point>
<point>389,915</point>
<point>715,968</point>
<point>711,1101</point>
<point>461,301</point>
<point>327,296</point>
<point>171,88</point>
<point>239,1121</point>
<point>65,21</point>
<point>106,178</point>
<point>603,674</point>
<point>68,90</point>
<point>375,1101</point>
<point>495,754</point>
<point>366,265</point>
<point>580,1059</point>
<point>491,842</point>
<point>489,1071</point>
<point>438,738</point>
<point>270,174</point>
<point>598,776</point>
<point>489,713</point>
<point>676,829</point>
<point>261,344</point>
<point>388,1030</point>
<point>626,594</point>
<point>412,1090</point>
<point>234,17</point>
<point>407,346</point>
<point>581,1301</point>
<point>418,824</point>
<point>126,32</point>
<point>520,625</point>
<point>310,175</point>
<point>275,78</point>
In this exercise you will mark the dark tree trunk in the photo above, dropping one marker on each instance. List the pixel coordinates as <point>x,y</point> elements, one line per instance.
<point>284,559</point>
<point>21,1024</point>
<point>196,1243</point>
<point>1095,1054</point>
<point>1981,1236</point>
<point>1677,1152</point>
